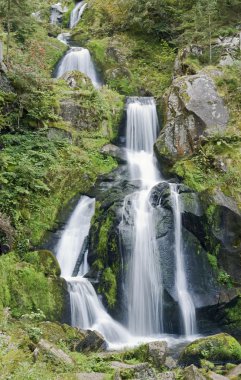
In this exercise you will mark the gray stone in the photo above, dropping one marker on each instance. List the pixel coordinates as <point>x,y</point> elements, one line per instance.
<point>215,376</point>
<point>193,373</point>
<point>140,371</point>
<point>226,60</point>
<point>90,376</point>
<point>93,342</point>
<point>166,376</point>
<point>114,151</point>
<point>58,354</point>
<point>157,352</point>
<point>170,363</point>
<point>236,371</point>
<point>193,110</point>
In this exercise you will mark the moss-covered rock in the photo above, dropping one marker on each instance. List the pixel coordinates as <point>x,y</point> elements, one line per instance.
<point>220,348</point>
<point>44,261</point>
<point>25,288</point>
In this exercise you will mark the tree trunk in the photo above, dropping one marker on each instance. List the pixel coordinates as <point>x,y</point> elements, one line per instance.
<point>8,28</point>
<point>210,38</point>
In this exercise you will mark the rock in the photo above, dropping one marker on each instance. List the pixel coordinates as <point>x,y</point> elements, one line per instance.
<point>76,80</point>
<point>92,342</point>
<point>235,372</point>
<point>189,116</point>
<point>55,332</point>
<point>134,371</point>
<point>215,376</point>
<point>225,230</point>
<point>114,151</point>
<point>90,376</point>
<point>220,348</point>
<point>192,373</point>
<point>166,376</point>
<point>56,353</point>
<point>229,43</point>
<point>170,363</point>
<point>58,134</point>
<point>226,60</point>
<point>157,352</point>
<point>57,11</point>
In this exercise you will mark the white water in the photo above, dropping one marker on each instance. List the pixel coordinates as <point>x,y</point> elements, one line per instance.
<point>63,37</point>
<point>185,301</point>
<point>77,13</point>
<point>74,235</point>
<point>87,312</point>
<point>144,279</point>
<point>78,59</point>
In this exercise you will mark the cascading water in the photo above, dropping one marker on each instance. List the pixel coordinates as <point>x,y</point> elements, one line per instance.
<point>77,13</point>
<point>78,59</point>
<point>72,240</point>
<point>185,301</point>
<point>87,311</point>
<point>144,278</point>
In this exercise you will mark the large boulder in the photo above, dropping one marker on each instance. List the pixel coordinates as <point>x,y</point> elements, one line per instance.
<point>53,352</point>
<point>193,109</point>
<point>220,348</point>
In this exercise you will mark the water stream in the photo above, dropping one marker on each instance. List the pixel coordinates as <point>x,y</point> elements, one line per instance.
<point>78,59</point>
<point>144,278</point>
<point>87,311</point>
<point>185,301</point>
<point>77,13</point>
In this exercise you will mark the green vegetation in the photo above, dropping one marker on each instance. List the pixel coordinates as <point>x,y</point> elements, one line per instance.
<point>23,288</point>
<point>109,287</point>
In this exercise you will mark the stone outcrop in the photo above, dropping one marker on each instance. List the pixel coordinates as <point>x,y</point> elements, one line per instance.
<point>194,110</point>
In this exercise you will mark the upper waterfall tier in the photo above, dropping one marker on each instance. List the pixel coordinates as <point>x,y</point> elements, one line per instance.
<point>78,59</point>
<point>77,13</point>
<point>142,124</point>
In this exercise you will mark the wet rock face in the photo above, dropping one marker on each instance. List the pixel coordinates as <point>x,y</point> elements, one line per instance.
<point>193,109</point>
<point>225,229</point>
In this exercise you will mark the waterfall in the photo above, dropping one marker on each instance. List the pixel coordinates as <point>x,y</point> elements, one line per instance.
<point>63,37</point>
<point>87,311</point>
<point>78,59</point>
<point>73,237</point>
<point>185,301</point>
<point>77,13</point>
<point>144,278</point>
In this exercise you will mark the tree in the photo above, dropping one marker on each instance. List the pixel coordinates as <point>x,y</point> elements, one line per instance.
<point>16,17</point>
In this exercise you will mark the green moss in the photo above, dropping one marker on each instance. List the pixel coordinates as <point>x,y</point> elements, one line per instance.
<point>108,287</point>
<point>25,289</point>
<point>44,261</point>
<point>213,261</point>
<point>104,234</point>
<point>216,349</point>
